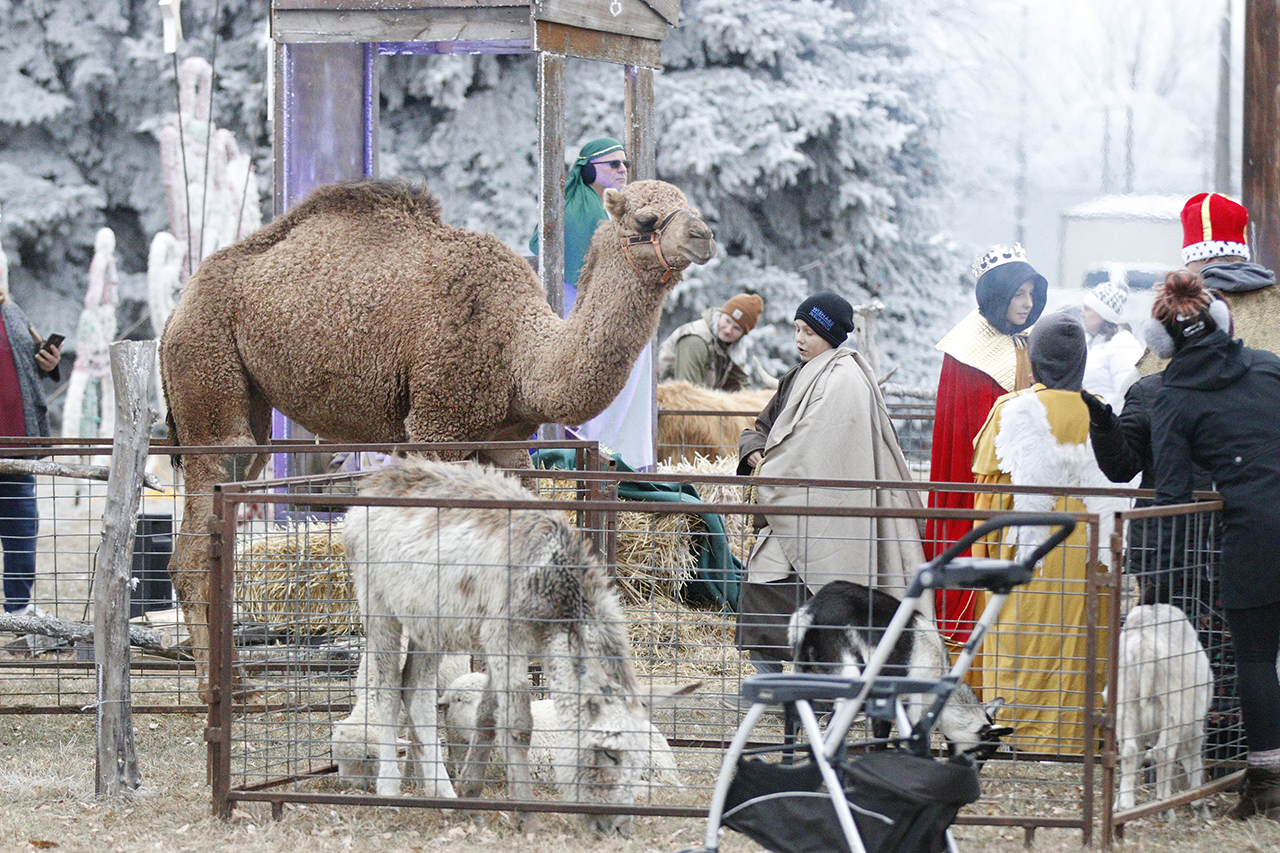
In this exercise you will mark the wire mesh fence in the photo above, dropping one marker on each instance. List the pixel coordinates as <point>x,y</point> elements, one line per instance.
<point>44,674</point>
<point>314,731</point>
<point>1178,733</point>
<point>291,720</point>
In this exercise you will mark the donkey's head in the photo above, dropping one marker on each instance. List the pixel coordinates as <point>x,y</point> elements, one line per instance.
<point>605,724</point>
<point>610,758</point>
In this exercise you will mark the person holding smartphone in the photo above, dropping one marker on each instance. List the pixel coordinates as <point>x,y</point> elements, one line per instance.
<point>25,358</point>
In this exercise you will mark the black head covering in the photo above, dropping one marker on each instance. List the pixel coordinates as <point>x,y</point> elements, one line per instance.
<point>1057,350</point>
<point>829,314</point>
<point>996,288</point>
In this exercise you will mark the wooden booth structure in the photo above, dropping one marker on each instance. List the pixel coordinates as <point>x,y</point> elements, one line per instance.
<point>326,86</point>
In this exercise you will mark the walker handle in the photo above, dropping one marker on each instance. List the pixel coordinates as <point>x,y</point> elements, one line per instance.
<point>939,573</point>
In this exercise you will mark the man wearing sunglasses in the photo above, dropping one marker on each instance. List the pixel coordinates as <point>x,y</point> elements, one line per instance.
<point>602,164</point>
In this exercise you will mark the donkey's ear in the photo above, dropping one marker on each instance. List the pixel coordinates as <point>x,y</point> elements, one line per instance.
<point>615,204</point>
<point>668,694</point>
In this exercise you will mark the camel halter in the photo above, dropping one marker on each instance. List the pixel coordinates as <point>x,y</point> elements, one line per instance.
<point>654,238</point>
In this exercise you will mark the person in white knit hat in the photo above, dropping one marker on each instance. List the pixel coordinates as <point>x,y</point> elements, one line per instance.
<point>1113,349</point>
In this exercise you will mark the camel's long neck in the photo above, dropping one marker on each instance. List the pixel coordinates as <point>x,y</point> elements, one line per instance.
<point>588,357</point>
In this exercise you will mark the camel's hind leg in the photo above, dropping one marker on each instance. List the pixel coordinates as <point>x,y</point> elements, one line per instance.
<point>238,421</point>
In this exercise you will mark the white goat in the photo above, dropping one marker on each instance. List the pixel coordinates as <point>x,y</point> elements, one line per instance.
<point>461,702</point>
<point>354,741</point>
<point>1164,686</point>
<point>510,585</point>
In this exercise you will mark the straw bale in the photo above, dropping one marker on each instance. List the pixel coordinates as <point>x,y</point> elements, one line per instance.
<point>737,526</point>
<point>297,579</point>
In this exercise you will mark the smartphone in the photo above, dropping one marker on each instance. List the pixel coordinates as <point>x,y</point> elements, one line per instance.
<point>54,340</point>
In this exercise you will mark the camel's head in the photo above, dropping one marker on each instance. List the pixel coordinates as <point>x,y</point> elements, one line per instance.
<point>657,209</point>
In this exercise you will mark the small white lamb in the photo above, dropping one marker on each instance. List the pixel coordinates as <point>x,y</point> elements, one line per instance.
<point>460,703</point>
<point>1164,687</point>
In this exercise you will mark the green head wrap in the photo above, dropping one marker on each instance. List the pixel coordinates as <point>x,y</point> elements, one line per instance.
<point>583,209</point>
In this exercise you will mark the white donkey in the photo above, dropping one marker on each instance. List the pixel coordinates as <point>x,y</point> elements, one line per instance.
<point>1163,690</point>
<point>510,585</point>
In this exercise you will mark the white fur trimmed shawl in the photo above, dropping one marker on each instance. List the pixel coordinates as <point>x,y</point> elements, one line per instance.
<point>1030,454</point>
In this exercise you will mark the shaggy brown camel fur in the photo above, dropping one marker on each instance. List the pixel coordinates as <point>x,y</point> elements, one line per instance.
<point>364,318</point>
<point>680,437</point>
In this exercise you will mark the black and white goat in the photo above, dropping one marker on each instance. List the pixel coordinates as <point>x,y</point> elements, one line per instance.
<point>835,633</point>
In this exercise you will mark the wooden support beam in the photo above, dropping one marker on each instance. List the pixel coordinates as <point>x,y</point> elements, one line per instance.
<point>640,137</point>
<point>1260,167</point>
<point>551,180</point>
<point>322,25</point>
<point>642,151</point>
<point>41,468</point>
<point>589,44</point>
<point>132,367</point>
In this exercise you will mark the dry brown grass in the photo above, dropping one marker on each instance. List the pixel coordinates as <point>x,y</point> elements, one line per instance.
<point>46,784</point>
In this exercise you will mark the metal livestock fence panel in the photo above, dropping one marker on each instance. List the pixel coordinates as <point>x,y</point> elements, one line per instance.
<point>1174,665</point>
<point>290,719</point>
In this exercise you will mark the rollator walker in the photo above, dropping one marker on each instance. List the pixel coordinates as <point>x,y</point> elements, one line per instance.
<point>892,796</point>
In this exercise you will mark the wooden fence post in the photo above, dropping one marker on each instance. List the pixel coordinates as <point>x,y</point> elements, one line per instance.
<point>132,366</point>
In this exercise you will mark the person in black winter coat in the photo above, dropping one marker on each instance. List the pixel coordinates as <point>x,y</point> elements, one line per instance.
<point>1217,407</point>
<point>1123,450</point>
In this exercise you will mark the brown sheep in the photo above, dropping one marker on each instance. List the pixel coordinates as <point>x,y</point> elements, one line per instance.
<point>364,318</point>
<point>680,437</point>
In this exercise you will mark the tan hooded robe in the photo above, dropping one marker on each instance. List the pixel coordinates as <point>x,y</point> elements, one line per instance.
<point>834,426</point>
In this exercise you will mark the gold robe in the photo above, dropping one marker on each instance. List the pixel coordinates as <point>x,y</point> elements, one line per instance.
<point>1035,656</point>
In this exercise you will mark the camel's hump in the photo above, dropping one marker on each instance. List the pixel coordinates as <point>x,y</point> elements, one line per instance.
<point>355,199</point>
<point>365,198</point>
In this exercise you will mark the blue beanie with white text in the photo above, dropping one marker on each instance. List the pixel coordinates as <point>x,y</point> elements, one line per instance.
<point>829,314</point>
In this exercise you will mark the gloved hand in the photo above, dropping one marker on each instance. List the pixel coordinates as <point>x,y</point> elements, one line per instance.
<point>1101,417</point>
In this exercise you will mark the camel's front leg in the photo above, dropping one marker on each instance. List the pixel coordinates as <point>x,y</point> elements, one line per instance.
<point>190,567</point>
<point>420,695</point>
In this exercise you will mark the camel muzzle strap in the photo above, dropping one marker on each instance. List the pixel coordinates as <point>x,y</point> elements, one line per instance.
<point>653,238</point>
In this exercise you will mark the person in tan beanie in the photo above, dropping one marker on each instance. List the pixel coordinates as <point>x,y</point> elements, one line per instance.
<point>712,350</point>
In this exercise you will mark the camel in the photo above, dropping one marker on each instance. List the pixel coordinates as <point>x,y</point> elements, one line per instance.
<point>363,317</point>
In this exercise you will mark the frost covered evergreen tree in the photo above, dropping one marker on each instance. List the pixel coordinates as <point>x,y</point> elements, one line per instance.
<point>802,128</point>
<point>84,85</point>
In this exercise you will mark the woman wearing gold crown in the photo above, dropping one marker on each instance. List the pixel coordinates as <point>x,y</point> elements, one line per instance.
<point>984,357</point>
